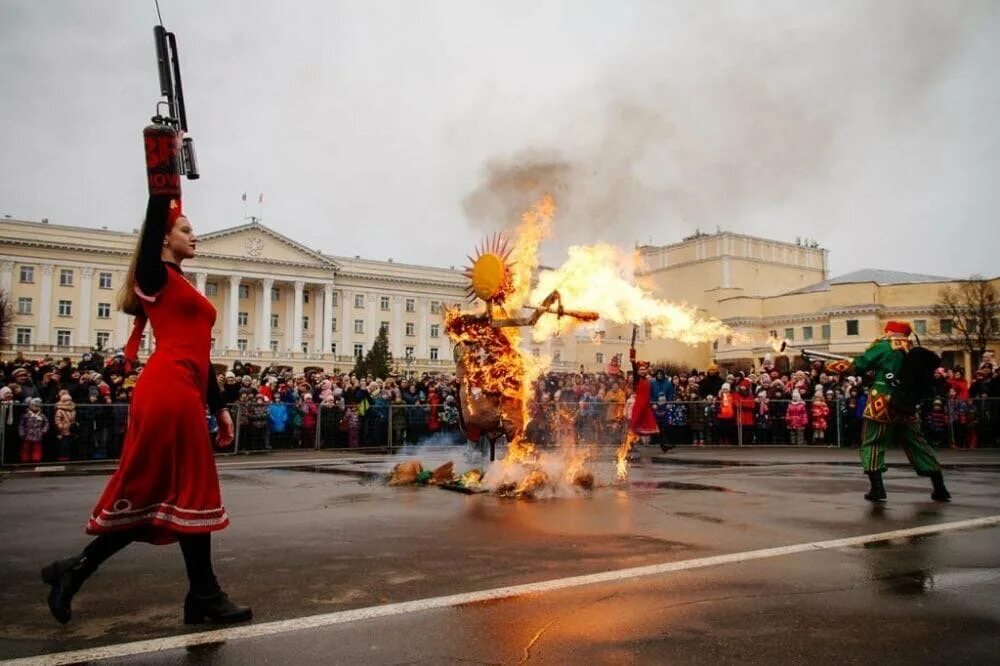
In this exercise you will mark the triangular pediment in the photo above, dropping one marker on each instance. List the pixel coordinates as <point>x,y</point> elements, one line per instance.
<point>255,242</point>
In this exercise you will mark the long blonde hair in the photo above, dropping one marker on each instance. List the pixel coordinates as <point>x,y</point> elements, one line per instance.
<point>155,222</point>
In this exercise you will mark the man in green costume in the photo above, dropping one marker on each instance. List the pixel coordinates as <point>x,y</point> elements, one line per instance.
<point>884,424</point>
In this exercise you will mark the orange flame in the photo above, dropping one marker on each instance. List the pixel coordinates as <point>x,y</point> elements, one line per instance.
<point>602,278</point>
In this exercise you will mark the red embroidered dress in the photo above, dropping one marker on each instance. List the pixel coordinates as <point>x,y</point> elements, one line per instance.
<point>166,480</point>
<point>642,421</point>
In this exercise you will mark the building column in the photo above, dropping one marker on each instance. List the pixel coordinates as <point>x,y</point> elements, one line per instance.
<point>7,279</point>
<point>232,308</point>
<point>86,303</point>
<point>327,334</point>
<point>316,321</point>
<point>346,325</point>
<point>123,322</point>
<point>296,323</point>
<point>264,314</point>
<point>423,306</point>
<point>289,315</point>
<point>45,306</point>
<point>200,279</point>
<point>397,327</point>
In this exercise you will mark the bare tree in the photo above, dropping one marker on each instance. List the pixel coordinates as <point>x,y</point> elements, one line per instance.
<point>973,309</point>
<point>6,315</point>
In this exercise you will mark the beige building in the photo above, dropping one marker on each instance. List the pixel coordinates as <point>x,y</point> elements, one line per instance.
<point>281,302</point>
<point>277,300</point>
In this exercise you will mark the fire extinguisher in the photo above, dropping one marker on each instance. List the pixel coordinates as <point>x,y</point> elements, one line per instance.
<point>163,159</point>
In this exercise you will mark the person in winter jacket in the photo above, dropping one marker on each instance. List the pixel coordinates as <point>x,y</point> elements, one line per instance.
<point>65,421</point>
<point>727,416</point>
<point>662,413</point>
<point>32,428</point>
<point>819,413</point>
<point>796,417</point>
<point>745,410</point>
<point>308,414</point>
<point>661,385</point>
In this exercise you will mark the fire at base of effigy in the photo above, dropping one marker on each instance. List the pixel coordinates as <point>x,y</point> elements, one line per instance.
<point>496,376</point>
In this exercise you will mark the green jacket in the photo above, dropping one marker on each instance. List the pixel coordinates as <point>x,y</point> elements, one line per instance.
<point>884,358</point>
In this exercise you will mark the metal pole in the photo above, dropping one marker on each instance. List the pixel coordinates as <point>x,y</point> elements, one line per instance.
<point>236,429</point>
<point>840,424</point>
<point>319,427</point>
<point>388,437</point>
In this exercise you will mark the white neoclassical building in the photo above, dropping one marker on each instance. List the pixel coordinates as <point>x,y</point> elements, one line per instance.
<point>277,300</point>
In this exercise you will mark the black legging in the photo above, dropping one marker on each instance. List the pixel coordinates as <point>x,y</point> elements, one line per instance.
<point>196,548</point>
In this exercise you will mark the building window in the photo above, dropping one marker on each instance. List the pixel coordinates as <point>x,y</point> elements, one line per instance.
<point>408,352</point>
<point>947,326</point>
<point>411,305</point>
<point>807,332</point>
<point>333,301</point>
<point>852,327</point>
<point>241,344</point>
<point>305,323</point>
<point>63,337</point>
<point>24,336</point>
<point>789,334</point>
<point>65,277</point>
<point>65,308</point>
<point>825,331</point>
<point>275,294</point>
<point>23,305</point>
<point>213,344</point>
<point>409,328</point>
<point>557,357</point>
<point>333,347</point>
<point>333,324</point>
<point>244,291</point>
<point>920,326</point>
<point>435,307</point>
<point>434,353</point>
<point>274,346</point>
<point>104,280</point>
<point>599,357</point>
<point>242,318</point>
<point>359,350</point>
<point>359,301</point>
<point>274,321</point>
<point>27,274</point>
<point>535,351</point>
<point>383,303</point>
<point>305,347</point>
<point>211,289</point>
<point>359,325</point>
<point>305,296</point>
<point>435,330</point>
<point>103,339</point>
<point>384,326</point>
<point>104,310</point>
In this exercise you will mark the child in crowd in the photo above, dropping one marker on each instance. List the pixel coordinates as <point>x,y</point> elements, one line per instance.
<point>796,417</point>
<point>820,414</point>
<point>32,428</point>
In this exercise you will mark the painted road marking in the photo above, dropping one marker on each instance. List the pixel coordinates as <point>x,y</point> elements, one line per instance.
<point>387,610</point>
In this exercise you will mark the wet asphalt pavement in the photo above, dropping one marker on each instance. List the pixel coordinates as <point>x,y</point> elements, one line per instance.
<point>323,535</point>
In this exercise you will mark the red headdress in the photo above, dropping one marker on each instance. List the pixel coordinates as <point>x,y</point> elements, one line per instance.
<point>900,327</point>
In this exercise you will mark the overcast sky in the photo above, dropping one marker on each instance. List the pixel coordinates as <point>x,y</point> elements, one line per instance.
<point>410,129</point>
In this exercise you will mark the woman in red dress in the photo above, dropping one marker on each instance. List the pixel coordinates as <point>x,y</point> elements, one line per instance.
<point>642,421</point>
<point>166,487</point>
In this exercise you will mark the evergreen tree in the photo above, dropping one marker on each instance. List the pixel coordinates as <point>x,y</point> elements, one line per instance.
<point>378,361</point>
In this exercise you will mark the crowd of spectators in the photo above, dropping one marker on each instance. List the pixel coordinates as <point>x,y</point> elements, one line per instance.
<point>56,410</point>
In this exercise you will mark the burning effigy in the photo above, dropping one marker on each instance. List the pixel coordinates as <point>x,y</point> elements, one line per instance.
<point>508,294</point>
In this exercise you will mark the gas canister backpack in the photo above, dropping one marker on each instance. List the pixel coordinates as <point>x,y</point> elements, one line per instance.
<point>915,381</point>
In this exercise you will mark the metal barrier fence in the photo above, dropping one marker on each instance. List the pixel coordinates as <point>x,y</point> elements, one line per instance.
<point>97,431</point>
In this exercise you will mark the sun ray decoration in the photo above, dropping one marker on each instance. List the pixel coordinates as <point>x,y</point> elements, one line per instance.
<point>489,272</point>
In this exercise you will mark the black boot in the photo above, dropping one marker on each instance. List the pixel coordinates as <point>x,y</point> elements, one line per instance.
<point>215,608</point>
<point>65,577</point>
<point>940,493</point>
<point>877,492</point>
